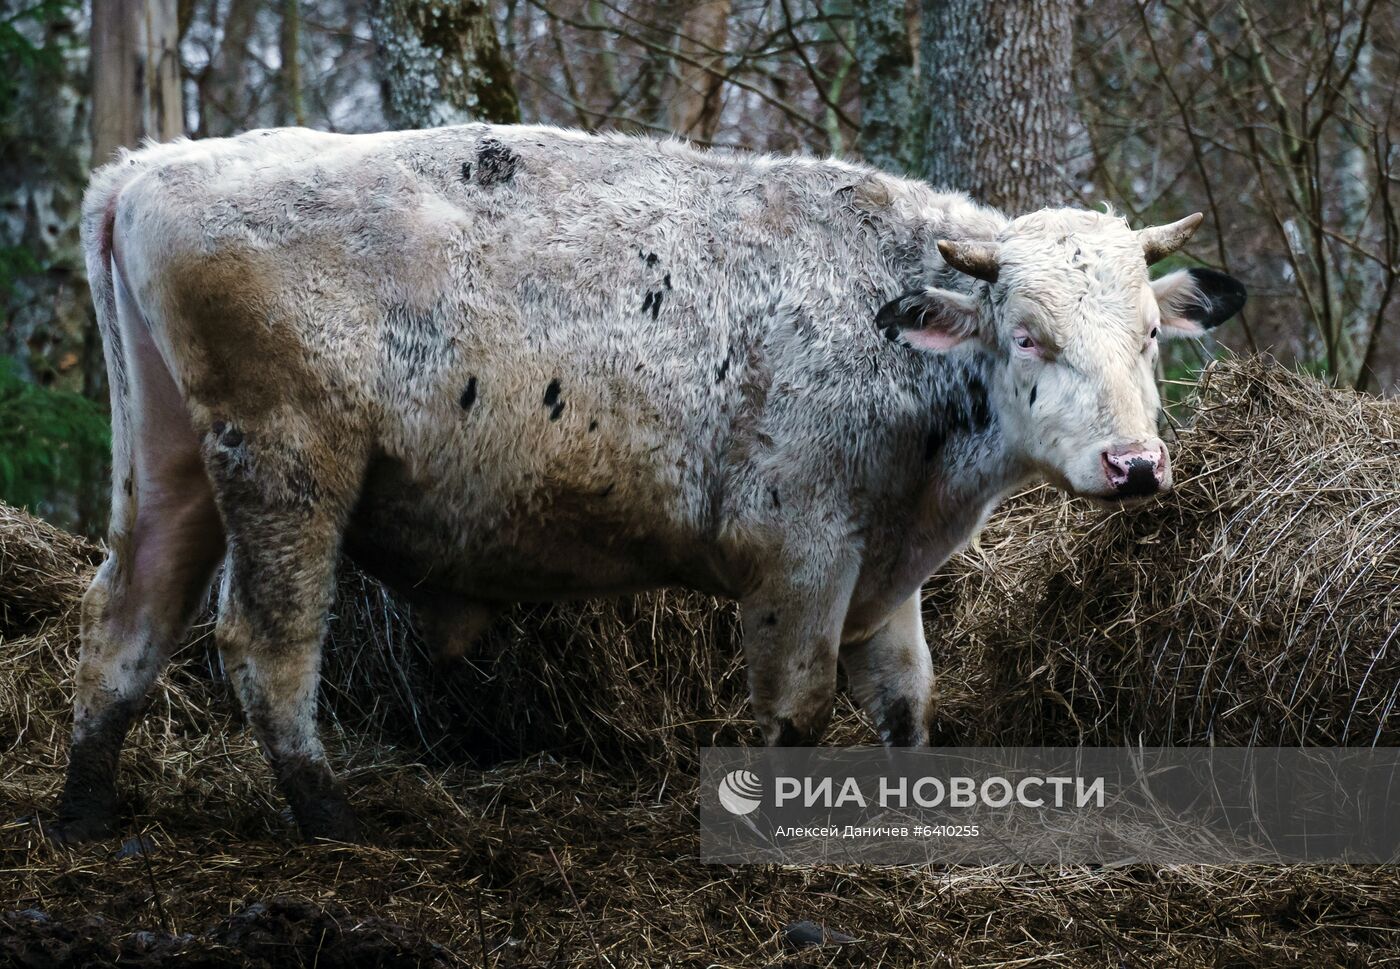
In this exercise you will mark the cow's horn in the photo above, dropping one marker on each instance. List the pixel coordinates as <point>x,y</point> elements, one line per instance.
<point>1160,241</point>
<point>979,259</point>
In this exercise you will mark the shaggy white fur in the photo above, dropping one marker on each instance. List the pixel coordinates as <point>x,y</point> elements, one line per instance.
<point>505,363</point>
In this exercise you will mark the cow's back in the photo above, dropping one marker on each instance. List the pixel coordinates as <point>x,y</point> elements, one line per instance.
<point>562,348</point>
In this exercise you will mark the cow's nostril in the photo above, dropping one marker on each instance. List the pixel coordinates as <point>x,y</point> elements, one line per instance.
<point>1134,471</point>
<point>1139,480</point>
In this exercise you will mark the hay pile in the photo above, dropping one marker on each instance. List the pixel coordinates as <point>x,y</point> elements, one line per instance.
<point>1257,606</point>
<point>43,569</point>
<point>578,844</point>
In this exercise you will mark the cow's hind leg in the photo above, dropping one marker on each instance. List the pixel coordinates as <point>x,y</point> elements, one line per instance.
<point>164,544</point>
<point>891,675</point>
<point>284,523</point>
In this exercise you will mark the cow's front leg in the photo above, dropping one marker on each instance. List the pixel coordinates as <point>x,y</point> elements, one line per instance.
<point>891,674</point>
<point>792,632</point>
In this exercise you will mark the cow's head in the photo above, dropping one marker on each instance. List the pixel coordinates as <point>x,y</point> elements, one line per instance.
<point>1063,297</point>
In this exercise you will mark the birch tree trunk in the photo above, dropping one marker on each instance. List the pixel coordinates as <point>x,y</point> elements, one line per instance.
<point>996,83</point>
<point>135,74</point>
<point>440,63</point>
<point>890,120</point>
<point>696,108</point>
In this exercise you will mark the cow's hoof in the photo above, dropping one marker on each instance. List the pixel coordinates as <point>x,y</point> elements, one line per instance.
<point>332,822</point>
<point>78,830</point>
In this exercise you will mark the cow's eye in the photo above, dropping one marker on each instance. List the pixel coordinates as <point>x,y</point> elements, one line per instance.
<point>1025,341</point>
<point>1153,334</point>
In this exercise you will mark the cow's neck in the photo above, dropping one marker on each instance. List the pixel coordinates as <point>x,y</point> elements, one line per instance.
<point>971,457</point>
<point>972,464</point>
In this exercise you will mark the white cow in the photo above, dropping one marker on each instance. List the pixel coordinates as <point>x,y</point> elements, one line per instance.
<point>507,363</point>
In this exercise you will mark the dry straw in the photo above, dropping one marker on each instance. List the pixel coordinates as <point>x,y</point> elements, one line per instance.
<point>534,805</point>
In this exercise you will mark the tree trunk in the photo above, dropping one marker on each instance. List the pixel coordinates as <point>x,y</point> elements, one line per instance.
<point>223,92</point>
<point>652,75</point>
<point>440,63</point>
<point>43,168</point>
<point>135,74</point>
<point>996,83</point>
<point>696,108</point>
<point>890,122</point>
<point>290,108</point>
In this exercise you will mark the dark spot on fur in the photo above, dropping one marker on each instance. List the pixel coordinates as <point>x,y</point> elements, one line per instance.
<point>934,442</point>
<point>495,163</point>
<point>551,393</point>
<point>656,305</point>
<point>646,303</point>
<point>466,171</point>
<point>667,281</point>
<point>1035,390</point>
<point>652,259</point>
<point>965,409</point>
<point>129,486</point>
<point>469,395</point>
<point>771,619</point>
<point>722,370</point>
<point>231,437</point>
<point>898,725</point>
<point>980,409</point>
<point>592,425</point>
<point>556,411</point>
<point>773,493</point>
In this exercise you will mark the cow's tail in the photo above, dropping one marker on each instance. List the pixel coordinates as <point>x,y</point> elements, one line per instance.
<point>98,228</point>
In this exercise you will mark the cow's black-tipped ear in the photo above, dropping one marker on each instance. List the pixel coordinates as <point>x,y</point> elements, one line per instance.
<point>1222,295</point>
<point>930,319</point>
<point>1193,301</point>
